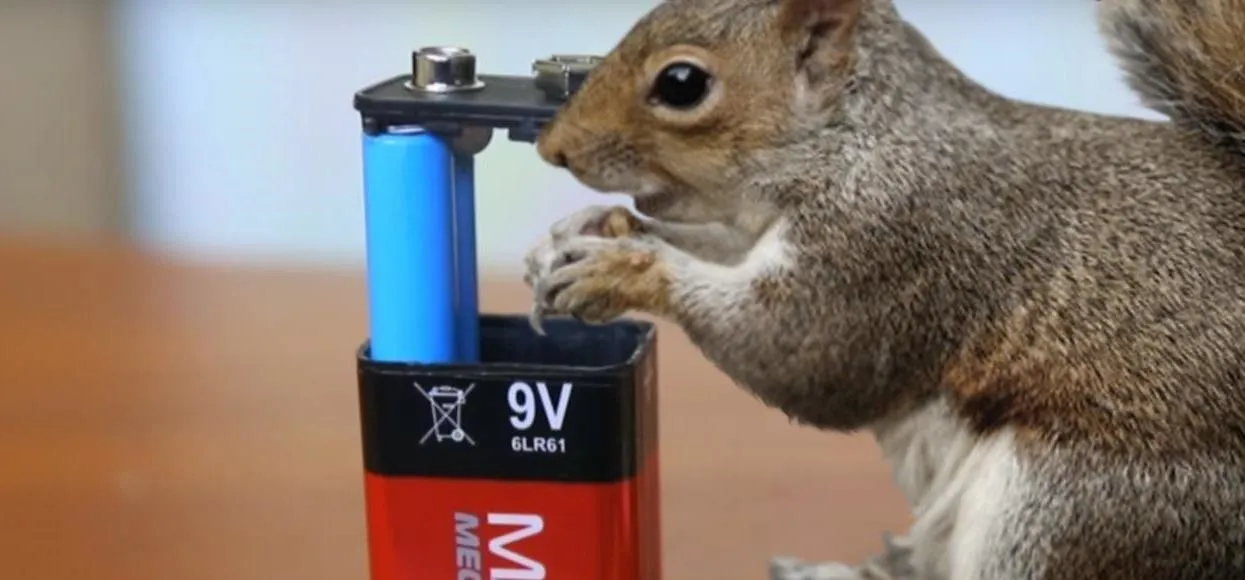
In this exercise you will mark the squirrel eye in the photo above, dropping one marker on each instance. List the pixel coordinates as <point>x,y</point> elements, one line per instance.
<point>680,85</point>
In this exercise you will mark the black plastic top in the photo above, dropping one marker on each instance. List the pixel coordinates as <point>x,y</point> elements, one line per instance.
<point>514,103</point>
<point>575,405</point>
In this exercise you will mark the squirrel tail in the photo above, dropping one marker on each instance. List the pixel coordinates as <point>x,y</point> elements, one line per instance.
<point>1186,59</point>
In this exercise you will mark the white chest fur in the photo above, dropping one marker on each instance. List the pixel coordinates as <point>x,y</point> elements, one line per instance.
<point>959,486</point>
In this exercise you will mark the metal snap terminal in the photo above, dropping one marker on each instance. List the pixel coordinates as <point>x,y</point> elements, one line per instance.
<point>560,75</point>
<point>444,69</point>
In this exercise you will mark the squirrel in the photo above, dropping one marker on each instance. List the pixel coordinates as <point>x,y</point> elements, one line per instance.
<point>1039,313</point>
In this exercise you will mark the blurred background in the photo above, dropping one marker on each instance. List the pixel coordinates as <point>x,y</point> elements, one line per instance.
<point>222,130</point>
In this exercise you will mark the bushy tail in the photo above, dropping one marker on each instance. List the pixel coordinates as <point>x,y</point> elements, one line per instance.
<point>1186,59</point>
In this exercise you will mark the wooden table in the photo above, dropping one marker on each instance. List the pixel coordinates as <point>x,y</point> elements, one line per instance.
<point>155,426</point>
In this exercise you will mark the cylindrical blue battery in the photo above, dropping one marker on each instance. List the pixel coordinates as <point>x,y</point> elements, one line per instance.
<point>411,269</point>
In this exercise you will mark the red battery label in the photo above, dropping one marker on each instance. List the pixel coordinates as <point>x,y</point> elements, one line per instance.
<point>507,471</point>
<point>429,528</point>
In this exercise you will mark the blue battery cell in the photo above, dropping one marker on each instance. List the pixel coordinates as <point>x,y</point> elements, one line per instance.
<point>467,311</point>
<point>410,220</point>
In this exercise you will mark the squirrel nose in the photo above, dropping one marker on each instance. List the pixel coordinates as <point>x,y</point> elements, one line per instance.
<point>551,148</point>
<point>557,159</point>
<point>552,154</point>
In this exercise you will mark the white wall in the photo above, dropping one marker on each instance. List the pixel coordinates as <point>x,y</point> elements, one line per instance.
<point>245,146</point>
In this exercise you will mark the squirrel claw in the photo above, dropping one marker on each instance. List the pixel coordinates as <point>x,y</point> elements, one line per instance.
<point>536,318</point>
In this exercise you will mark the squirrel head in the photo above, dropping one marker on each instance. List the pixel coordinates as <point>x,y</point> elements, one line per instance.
<point>676,112</point>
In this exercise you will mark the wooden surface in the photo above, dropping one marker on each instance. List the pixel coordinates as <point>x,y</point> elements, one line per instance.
<point>164,422</point>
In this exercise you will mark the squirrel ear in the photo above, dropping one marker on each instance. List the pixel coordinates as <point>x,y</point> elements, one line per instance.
<point>820,33</point>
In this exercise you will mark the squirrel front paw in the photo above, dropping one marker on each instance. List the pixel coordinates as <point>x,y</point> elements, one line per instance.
<point>605,221</point>
<point>601,221</point>
<point>597,279</point>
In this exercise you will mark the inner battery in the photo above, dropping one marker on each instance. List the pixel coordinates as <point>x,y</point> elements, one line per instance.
<point>537,462</point>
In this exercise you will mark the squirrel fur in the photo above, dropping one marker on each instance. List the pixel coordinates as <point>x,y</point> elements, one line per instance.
<point>1039,313</point>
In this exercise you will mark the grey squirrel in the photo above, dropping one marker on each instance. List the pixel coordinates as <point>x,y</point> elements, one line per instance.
<point>1038,312</point>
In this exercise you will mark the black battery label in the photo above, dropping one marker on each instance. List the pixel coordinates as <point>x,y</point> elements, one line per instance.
<point>465,424</point>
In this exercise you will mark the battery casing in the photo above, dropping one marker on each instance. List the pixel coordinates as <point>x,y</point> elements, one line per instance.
<point>538,462</point>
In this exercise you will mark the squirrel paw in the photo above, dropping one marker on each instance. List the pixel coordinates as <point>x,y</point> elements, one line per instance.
<point>604,221</point>
<point>597,279</point>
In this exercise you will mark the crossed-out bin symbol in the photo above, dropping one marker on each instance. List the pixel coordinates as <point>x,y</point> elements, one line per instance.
<point>446,403</point>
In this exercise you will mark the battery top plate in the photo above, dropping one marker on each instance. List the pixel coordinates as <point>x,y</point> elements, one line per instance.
<point>514,103</point>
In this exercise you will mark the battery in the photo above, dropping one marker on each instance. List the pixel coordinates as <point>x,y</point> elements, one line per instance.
<point>538,461</point>
<point>490,452</point>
